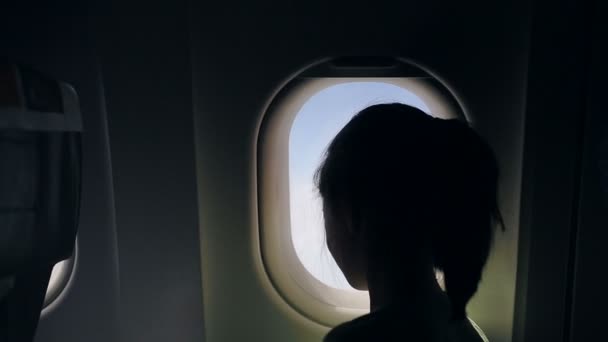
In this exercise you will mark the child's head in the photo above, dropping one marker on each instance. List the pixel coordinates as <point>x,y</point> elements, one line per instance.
<point>396,184</point>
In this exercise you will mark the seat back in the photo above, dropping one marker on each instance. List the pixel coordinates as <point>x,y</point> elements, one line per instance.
<point>40,176</point>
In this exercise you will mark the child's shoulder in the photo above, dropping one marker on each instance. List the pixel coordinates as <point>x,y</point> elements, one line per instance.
<point>379,326</point>
<point>390,326</point>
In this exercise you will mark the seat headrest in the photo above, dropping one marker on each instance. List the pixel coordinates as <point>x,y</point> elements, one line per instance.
<point>40,174</point>
<point>40,149</point>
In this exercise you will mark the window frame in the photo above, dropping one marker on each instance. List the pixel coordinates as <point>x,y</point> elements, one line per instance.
<point>300,289</point>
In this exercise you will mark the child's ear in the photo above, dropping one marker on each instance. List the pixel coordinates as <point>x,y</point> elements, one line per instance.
<point>351,220</point>
<point>357,225</point>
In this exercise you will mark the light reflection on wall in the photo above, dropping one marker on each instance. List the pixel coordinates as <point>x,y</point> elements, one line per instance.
<point>59,281</point>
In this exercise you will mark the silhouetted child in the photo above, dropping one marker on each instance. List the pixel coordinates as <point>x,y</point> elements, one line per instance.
<point>405,194</point>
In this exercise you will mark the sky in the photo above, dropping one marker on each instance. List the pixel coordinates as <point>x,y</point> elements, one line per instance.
<point>315,125</point>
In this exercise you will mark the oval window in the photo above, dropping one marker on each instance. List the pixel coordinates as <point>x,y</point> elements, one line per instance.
<point>299,123</point>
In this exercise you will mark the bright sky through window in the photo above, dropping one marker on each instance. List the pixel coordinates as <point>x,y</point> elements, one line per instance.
<point>315,125</point>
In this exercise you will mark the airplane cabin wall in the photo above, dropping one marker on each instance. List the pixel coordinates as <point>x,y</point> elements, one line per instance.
<point>590,298</point>
<point>144,49</point>
<point>560,234</point>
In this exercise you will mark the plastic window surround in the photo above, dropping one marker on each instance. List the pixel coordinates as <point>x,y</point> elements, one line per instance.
<point>309,296</point>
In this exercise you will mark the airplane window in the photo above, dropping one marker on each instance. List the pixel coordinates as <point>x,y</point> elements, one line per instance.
<point>316,123</point>
<point>301,121</point>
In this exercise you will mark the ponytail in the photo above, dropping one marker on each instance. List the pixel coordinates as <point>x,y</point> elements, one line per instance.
<point>468,212</point>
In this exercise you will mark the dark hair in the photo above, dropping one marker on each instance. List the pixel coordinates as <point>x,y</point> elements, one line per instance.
<point>397,167</point>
